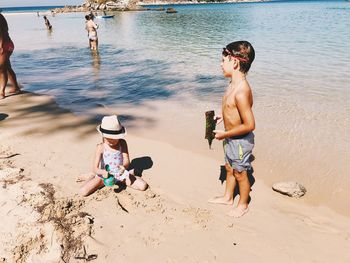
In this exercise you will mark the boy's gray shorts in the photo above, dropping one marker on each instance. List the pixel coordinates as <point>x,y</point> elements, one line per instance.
<point>238,151</point>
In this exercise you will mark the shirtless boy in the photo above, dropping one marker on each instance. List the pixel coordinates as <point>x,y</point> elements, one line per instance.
<point>239,123</point>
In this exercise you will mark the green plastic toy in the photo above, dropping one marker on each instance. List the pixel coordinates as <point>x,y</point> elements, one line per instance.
<point>109,181</point>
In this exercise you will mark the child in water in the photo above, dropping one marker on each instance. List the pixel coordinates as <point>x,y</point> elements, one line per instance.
<point>112,159</point>
<point>47,23</point>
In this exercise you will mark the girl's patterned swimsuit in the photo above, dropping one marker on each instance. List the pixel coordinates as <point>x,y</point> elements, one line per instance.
<point>113,159</point>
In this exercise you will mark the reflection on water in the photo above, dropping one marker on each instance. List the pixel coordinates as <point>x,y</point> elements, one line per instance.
<point>96,63</point>
<point>300,76</point>
<point>49,33</point>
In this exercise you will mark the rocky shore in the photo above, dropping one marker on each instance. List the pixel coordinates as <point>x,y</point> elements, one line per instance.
<point>133,5</point>
<point>88,6</point>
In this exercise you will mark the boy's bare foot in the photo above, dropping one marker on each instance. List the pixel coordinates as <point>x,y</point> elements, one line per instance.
<point>2,96</point>
<point>238,211</point>
<point>220,200</point>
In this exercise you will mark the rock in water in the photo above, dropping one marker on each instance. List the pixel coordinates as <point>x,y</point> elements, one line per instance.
<point>170,10</point>
<point>292,189</point>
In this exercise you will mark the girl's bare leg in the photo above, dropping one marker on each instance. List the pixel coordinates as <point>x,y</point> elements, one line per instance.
<point>91,186</point>
<point>136,182</point>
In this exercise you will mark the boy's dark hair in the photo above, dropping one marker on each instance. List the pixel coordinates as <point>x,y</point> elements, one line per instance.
<point>87,17</point>
<point>243,51</point>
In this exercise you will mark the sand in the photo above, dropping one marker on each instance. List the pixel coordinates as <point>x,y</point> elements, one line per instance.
<point>43,219</point>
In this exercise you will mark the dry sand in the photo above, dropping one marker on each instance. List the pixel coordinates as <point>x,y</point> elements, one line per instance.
<point>44,148</point>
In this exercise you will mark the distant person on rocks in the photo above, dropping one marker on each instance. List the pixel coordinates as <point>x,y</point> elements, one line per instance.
<point>6,50</point>
<point>91,28</point>
<point>47,23</point>
<point>239,123</point>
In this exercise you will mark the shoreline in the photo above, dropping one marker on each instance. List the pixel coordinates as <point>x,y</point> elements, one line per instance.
<point>140,6</point>
<point>172,213</point>
<point>160,3</point>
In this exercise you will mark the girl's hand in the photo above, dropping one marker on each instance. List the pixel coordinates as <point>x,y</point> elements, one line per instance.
<point>218,119</point>
<point>121,169</point>
<point>105,174</point>
<point>219,134</point>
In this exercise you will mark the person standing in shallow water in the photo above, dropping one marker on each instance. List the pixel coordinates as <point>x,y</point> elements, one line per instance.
<point>47,23</point>
<point>239,122</point>
<point>91,28</point>
<point>6,50</point>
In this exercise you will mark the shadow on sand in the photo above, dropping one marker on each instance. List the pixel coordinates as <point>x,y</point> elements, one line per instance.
<point>140,164</point>
<point>3,116</point>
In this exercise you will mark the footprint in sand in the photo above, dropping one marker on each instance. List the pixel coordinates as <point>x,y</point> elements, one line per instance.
<point>200,216</point>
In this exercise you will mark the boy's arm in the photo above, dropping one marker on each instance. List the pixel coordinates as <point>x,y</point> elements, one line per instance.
<point>97,160</point>
<point>247,119</point>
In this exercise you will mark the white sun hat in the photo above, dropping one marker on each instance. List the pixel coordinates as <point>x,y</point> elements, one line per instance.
<point>111,128</point>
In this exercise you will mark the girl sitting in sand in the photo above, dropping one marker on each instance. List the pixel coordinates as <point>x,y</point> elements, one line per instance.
<point>111,160</point>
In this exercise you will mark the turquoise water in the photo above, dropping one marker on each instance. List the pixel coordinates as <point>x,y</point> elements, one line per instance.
<point>27,9</point>
<point>293,42</point>
<point>300,76</point>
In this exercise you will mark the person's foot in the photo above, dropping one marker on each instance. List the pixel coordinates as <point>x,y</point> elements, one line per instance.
<point>220,200</point>
<point>14,91</point>
<point>84,177</point>
<point>2,96</point>
<point>238,211</point>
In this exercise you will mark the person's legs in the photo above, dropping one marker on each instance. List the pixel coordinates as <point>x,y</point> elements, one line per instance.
<point>94,45</point>
<point>136,182</point>
<point>12,77</point>
<point>91,186</point>
<point>3,74</point>
<point>227,198</point>
<point>244,190</point>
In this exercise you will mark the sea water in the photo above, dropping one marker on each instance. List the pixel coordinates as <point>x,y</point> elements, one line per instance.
<point>300,76</point>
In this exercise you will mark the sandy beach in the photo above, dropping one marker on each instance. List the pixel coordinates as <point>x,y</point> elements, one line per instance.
<point>43,150</point>
<point>160,73</point>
